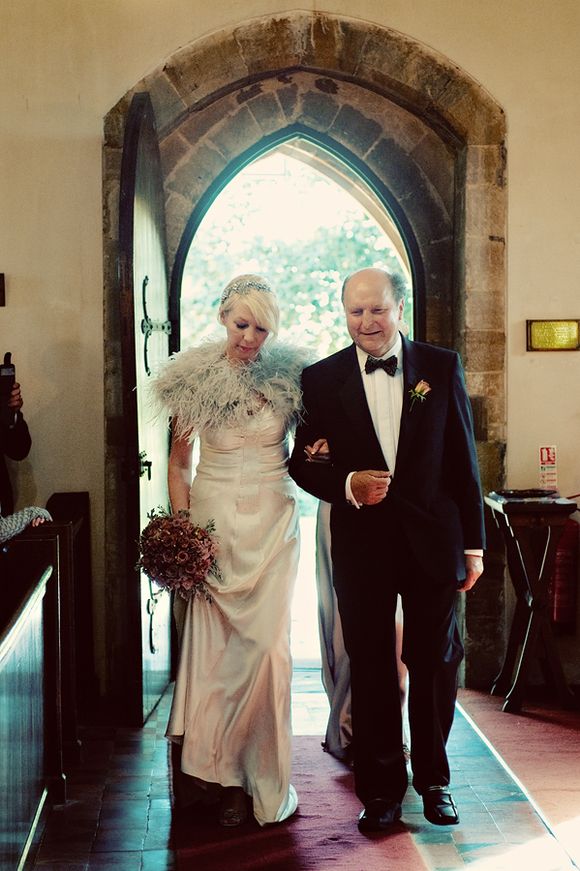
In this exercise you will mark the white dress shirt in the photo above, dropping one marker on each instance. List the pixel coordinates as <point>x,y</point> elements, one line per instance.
<point>384,395</point>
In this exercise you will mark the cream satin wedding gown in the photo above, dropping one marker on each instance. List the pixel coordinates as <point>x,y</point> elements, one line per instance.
<point>231,707</point>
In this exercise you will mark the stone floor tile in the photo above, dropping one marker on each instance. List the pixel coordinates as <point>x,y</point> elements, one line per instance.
<point>439,856</point>
<point>159,860</point>
<point>119,804</point>
<point>122,861</point>
<point>61,851</point>
<point>56,865</point>
<point>122,840</point>
<point>158,839</point>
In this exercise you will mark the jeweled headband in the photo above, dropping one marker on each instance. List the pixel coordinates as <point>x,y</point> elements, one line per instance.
<point>243,286</point>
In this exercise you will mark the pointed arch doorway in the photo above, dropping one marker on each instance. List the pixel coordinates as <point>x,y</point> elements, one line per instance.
<point>304,219</point>
<point>406,117</point>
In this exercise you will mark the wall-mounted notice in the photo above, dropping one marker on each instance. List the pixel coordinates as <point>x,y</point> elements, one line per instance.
<point>548,467</point>
<point>558,335</point>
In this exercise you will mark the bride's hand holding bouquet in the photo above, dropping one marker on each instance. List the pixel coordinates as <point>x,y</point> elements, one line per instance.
<point>177,554</point>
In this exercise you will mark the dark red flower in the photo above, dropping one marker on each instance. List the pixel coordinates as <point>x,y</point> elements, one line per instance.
<point>178,555</point>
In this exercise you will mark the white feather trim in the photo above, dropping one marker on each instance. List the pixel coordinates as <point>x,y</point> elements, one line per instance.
<point>201,389</point>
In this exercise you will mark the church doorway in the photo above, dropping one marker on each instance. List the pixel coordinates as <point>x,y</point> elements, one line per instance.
<point>427,140</point>
<point>305,221</point>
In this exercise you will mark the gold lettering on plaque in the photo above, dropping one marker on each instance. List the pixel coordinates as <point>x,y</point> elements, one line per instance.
<point>558,335</point>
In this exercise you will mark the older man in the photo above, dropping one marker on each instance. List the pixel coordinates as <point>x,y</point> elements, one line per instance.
<point>406,517</point>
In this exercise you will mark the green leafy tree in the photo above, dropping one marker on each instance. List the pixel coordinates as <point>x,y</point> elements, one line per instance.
<point>307,273</point>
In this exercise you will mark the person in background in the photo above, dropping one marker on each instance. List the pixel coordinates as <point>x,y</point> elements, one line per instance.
<point>15,443</point>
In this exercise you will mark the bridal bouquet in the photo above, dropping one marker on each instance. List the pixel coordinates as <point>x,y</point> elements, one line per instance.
<point>178,555</point>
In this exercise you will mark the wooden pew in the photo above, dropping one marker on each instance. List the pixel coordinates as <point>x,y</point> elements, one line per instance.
<point>67,538</point>
<point>31,761</point>
<point>46,665</point>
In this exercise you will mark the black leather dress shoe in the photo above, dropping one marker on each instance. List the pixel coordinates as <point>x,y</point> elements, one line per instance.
<point>439,807</point>
<point>379,815</point>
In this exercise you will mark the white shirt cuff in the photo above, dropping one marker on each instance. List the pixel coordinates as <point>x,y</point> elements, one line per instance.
<point>348,492</point>
<point>473,552</point>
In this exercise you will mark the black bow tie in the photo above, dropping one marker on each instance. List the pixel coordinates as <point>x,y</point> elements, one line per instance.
<point>390,365</point>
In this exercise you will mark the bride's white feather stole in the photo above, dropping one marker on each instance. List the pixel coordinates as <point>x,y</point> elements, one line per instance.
<point>200,388</point>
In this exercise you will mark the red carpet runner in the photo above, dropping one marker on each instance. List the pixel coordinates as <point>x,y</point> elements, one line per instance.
<point>322,835</point>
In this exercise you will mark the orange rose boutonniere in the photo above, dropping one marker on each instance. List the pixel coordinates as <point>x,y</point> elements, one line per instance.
<point>419,392</point>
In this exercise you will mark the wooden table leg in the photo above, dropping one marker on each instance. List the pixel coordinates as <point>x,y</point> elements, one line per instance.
<point>513,700</point>
<point>536,549</point>
<point>503,681</point>
<point>531,530</point>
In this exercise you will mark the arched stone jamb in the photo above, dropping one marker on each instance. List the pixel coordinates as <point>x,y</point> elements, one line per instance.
<point>404,155</point>
<point>338,172</point>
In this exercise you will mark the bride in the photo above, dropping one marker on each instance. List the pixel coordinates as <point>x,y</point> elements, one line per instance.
<point>231,706</point>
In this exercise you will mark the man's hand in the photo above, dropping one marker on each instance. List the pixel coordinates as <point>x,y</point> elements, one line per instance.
<point>319,452</point>
<point>473,569</point>
<point>370,487</point>
<point>15,400</point>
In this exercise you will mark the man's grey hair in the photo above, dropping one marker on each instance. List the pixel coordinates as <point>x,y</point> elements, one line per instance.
<point>397,281</point>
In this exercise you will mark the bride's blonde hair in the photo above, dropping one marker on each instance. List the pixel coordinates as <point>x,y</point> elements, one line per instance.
<point>255,292</point>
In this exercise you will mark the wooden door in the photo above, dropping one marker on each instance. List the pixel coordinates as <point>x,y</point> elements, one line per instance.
<point>145,342</point>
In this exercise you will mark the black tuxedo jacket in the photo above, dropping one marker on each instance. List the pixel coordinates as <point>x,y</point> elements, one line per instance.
<point>435,495</point>
<point>14,443</point>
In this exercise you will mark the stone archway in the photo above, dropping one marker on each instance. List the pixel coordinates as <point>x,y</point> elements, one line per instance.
<point>428,267</point>
<point>408,120</point>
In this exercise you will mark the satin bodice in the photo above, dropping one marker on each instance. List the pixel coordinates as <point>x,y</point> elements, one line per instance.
<point>244,459</point>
